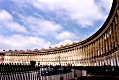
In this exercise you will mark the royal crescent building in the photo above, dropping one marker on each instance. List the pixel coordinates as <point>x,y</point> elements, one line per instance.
<point>102,48</point>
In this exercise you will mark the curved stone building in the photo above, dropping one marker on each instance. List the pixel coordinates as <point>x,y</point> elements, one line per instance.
<point>100,49</point>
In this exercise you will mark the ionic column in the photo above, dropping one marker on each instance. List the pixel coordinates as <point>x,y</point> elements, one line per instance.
<point>89,51</point>
<point>97,47</point>
<point>112,38</point>
<point>85,52</point>
<point>116,31</point>
<point>93,50</point>
<point>115,34</point>
<point>109,40</point>
<point>81,52</point>
<point>103,44</point>
<point>117,25</point>
<point>96,54</point>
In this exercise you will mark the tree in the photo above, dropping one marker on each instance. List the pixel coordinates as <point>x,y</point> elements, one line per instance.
<point>32,63</point>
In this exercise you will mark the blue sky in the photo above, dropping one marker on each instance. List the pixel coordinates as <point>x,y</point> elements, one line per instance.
<point>31,24</point>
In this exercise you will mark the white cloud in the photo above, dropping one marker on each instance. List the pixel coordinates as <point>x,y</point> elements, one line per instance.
<point>22,42</point>
<point>64,42</point>
<point>6,20</point>
<point>5,16</point>
<point>66,35</point>
<point>84,12</point>
<point>13,26</point>
<point>106,4</point>
<point>41,27</point>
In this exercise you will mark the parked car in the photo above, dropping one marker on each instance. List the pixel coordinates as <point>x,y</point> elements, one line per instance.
<point>64,70</point>
<point>45,71</point>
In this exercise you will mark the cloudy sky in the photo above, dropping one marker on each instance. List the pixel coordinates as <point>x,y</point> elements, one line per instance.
<point>31,24</point>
